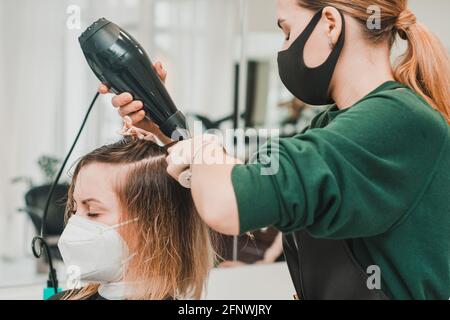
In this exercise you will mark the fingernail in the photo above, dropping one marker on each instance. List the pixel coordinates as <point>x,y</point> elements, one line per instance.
<point>151,137</point>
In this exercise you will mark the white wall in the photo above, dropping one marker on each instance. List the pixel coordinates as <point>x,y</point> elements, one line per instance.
<point>197,44</point>
<point>434,14</point>
<point>31,65</point>
<point>3,147</point>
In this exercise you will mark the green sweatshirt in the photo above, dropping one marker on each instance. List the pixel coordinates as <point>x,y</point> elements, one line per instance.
<point>377,174</point>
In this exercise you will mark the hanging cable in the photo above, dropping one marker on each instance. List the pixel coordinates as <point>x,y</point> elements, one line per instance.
<point>39,244</point>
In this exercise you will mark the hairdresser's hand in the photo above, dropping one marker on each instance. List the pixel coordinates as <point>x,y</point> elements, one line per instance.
<point>133,109</point>
<point>202,149</point>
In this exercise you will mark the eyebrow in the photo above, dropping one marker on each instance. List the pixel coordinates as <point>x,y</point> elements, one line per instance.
<point>279,22</point>
<point>86,201</point>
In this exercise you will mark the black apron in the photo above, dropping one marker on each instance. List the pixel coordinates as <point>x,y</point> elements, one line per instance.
<point>326,269</point>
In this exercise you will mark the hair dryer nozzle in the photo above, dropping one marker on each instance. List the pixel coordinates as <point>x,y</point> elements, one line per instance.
<point>120,62</point>
<point>90,31</point>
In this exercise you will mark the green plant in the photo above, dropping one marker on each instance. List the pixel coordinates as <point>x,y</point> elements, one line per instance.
<point>49,167</point>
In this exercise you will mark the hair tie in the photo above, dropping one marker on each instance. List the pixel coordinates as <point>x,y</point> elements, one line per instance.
<point>405,20</point>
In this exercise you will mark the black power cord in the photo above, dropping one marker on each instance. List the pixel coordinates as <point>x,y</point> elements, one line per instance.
<point>41,240</point>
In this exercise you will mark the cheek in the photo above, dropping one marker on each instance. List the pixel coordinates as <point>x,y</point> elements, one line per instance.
<point>317,49</point>
<point>131,235</point>
<point>111,218</point>
<point>106,218</point>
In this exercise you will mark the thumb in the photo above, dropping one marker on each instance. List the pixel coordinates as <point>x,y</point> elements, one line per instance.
<point>162,74</point>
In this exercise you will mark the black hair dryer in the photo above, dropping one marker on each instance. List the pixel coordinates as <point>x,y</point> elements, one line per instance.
<point>121,63</point>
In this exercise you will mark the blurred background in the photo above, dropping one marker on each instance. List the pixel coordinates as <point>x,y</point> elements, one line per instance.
<point>221,61</point>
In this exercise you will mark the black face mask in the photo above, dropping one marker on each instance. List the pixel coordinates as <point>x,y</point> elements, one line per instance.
<point>311,85</point>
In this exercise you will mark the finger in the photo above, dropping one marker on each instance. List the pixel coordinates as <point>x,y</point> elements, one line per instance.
<point>103,89</point>
<point>180,154</point>
<point>130,108</point>
<point>158,66</point>
<point>137,116</point>
<point>170,150</point>
<point>145,135</point>
<point>175,146</point>
<point>162,74</point>
<point>137,134</point>
<point>140,136</point>
<point>128,122</point>
<point>142,131</point>
<point>122,99</point>
<point>175,170</point>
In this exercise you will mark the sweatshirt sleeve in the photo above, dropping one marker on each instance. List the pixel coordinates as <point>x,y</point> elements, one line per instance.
<point>357,177</point>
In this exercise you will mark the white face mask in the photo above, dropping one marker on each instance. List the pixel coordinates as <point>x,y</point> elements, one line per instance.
<point>95,249</point>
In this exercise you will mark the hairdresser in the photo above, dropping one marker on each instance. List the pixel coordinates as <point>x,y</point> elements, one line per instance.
<point>362,195</point>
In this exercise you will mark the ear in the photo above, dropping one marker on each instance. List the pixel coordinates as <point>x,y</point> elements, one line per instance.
<point>333,23</point>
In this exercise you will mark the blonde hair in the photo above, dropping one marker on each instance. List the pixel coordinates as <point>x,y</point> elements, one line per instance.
<point>424,67</point>
<point>172,245</point>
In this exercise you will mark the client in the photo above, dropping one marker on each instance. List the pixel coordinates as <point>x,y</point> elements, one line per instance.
<point>133,232</point>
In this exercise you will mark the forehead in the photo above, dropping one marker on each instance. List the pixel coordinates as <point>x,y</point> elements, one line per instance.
<point>97,180</point>
<point>286,4</point>
<point>286,8</point>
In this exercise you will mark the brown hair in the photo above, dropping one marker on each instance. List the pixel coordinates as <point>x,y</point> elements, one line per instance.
<point>172,244</point>
<point>424,67</point>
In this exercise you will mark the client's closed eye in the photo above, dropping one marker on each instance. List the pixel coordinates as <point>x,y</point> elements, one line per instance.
<point>92,215</point>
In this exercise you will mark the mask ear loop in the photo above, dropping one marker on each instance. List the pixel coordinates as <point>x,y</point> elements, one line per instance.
<point>121,224</point>
<point>131,256</point>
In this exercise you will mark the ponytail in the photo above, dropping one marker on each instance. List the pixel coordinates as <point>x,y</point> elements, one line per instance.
<point>425,66</point>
